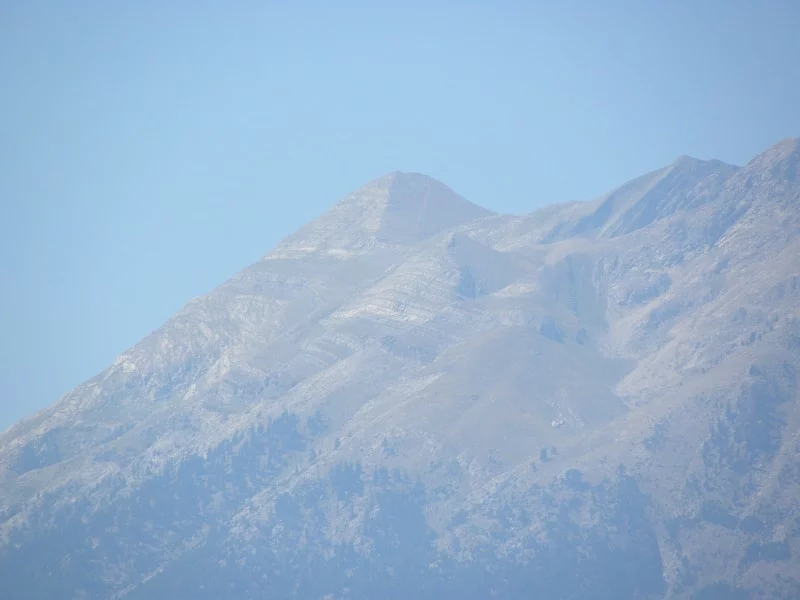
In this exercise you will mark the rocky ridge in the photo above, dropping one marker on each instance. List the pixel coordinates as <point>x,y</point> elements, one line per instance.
<point>415,397</point>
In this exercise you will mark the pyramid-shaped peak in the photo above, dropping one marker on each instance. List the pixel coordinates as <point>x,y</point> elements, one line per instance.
<point>416,207</point>
<point>405,208</point>
<point>396,208</point>
<point>684,160</point>
<point>414,191</point>
<point>399,186</point>
<point>690,163</point>
<point>404,177</point>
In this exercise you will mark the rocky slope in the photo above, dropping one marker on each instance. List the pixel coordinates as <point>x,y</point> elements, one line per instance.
<point>414,397</point>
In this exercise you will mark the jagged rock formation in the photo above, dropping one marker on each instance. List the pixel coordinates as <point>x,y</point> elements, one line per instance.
<point>414,397</point>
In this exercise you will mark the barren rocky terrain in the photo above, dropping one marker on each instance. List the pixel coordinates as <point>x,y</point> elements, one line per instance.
<point>413,397</point>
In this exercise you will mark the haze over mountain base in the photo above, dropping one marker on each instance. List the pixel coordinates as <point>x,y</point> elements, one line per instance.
<point>412,397</point>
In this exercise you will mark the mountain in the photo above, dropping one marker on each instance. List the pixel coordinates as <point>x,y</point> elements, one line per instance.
<point>413,397</point>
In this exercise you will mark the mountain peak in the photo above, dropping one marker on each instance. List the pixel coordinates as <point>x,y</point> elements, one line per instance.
<point>428,412</point>
<point>684,160</point>
<point>788,145</point>
<point>786,152</point>
<point>690,163</point>
<point>413,191</point>
<point>391,177</point>
<point>398,208</point>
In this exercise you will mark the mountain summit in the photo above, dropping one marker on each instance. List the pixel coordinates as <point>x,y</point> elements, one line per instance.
<point>412,397</point>
<point>396,209</point>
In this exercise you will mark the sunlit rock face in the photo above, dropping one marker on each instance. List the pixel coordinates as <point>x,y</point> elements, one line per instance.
<point>413,397</point>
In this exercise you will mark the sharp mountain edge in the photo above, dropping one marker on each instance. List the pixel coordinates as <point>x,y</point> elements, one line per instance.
<point>413,397</point>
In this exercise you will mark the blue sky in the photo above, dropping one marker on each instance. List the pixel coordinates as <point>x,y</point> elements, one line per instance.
<point>149,150</point>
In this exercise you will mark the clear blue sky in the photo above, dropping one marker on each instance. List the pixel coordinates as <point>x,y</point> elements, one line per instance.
<point>149,150</point>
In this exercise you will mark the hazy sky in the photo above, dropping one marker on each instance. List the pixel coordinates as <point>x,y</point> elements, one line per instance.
<point>149,150</point>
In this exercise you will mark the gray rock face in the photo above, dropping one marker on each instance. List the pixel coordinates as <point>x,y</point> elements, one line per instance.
<point>414,397</point>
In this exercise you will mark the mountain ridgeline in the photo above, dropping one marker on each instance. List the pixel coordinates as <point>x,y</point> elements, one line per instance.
<point>413,397</point>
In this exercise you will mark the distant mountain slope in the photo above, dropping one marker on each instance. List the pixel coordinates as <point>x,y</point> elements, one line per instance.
<point>414,397</point>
